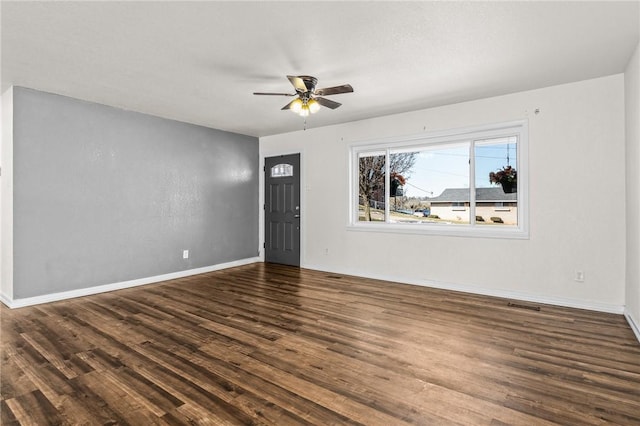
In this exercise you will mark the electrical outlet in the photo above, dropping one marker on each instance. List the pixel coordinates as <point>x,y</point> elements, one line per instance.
<point>185,254</point>
<point>579,276</point>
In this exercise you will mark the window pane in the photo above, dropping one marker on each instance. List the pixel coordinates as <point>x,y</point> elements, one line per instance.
<point>371,181</point>
<point>281,170</point>
<point>497,193</point>
<point>436,184</point>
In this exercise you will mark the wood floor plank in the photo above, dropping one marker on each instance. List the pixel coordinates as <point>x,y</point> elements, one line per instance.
<point>35,409</point>
<point>6,415</point>
<point>14,380</point>
<point>267,344</point>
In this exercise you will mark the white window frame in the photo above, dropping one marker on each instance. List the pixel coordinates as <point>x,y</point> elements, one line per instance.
<point>466,135</point>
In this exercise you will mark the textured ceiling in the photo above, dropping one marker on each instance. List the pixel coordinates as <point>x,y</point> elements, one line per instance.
<point>200,62</point>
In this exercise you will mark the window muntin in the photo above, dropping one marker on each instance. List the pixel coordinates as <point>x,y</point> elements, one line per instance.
<point>447,175</point>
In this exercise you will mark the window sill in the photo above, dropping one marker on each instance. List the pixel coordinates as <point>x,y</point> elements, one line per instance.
<point>444,229</point>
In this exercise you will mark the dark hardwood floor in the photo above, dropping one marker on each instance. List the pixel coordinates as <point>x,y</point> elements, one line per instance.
<point>268,344</point>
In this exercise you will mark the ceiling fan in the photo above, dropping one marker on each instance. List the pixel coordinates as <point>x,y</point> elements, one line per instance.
<point>309,99</point>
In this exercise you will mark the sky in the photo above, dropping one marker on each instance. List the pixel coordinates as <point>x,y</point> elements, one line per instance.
<point>436,169</point>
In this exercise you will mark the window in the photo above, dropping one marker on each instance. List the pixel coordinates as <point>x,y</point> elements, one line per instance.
<point>469,181</point>
<point>281,170</point>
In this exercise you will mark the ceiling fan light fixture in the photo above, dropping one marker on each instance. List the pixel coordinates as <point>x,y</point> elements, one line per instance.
<point>296,106</point>
<point>313,105</point>
<point>304,111</point>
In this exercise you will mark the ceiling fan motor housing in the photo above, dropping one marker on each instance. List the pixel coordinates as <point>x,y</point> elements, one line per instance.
<point>309,82</point>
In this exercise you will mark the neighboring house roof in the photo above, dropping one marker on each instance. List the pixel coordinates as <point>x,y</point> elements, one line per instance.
<point>459,195</point>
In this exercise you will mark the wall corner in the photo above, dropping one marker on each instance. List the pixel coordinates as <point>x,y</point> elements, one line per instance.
<point>6,196</point>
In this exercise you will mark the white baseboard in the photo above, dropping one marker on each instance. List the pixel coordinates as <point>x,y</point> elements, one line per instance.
<point>527,297</point>
<point>5,300</point>
<point>633,323</point>
<point>54,297</point>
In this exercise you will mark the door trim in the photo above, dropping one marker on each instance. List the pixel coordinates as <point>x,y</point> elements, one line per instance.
<point>261,200</point>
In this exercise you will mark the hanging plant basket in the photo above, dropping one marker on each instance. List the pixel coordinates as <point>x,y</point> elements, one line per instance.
<point>509,187</point>
<point>507,177</point>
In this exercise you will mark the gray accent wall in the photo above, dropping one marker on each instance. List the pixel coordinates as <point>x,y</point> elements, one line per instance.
<point>103,195</point>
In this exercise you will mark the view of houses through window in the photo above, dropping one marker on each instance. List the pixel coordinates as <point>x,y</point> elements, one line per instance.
<point>457,182</point>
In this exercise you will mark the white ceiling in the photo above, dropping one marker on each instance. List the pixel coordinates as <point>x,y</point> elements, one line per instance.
<point>200,62</point>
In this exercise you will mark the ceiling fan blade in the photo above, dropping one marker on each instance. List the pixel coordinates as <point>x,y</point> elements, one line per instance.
<point>298,83</point>
<point>345,88</point>
<point>328,103</point>
<point>273,94</point>
<point>288,106</point>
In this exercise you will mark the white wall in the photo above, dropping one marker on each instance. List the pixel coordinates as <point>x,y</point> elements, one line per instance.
<point>6,196</point>
<point>632,108</point>
<point>576,152</point>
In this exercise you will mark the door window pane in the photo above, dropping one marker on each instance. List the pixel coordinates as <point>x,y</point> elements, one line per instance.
<point>282,170</point>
